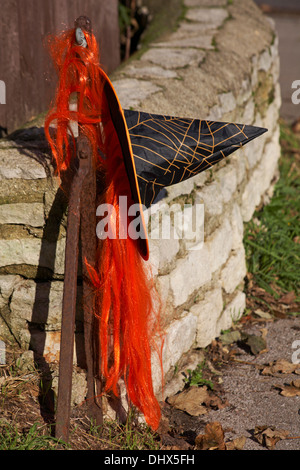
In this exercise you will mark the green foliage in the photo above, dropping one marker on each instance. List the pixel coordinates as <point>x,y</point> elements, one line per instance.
<point>272,237</point>
<point>129,436</point>
<point>124,16</point>
<point>33,439</point>
<point>195,377</point>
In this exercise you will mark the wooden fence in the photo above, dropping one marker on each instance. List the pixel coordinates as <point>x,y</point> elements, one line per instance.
<point>25,65</point>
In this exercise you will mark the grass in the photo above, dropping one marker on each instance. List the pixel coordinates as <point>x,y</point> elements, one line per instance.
<point>12,438</point>
<point>21,427</point>
<point>272,237</point>
<point>130,436</point>
<point>195,377</point>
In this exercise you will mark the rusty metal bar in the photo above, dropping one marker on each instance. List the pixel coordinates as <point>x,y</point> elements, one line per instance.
<point>88,252</point>
<point>82,214</point>
<point>69,307</point>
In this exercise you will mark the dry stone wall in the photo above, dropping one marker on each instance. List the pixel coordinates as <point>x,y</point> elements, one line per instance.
<point>221,63</point>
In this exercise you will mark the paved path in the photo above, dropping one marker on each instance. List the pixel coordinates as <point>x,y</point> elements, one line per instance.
<point>286,14</point>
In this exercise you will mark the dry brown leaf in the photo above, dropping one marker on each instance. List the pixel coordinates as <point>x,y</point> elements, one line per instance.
<point>290,390</point>
<point>281,366</point>
<point>236,444</point>
<point>288,298</point>
<point>257,344</point>
<point>262,314</point>
<point>268,436</point>
<point>213,439</point>
<point>296,126</point>
<point>190,400</point>
<point>216,402</point>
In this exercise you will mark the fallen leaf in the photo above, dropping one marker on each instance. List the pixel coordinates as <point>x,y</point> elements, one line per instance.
<point>213,439</point>
<point>215,402</point>
<point>190,400</point>
<point>290,390</point>
<point>257,344</point>
<point>171,448</point>
<point>230,337</point>
<point>281,366</point>
<point>236,444</point>
<point>296,126</point>
<point>288,298</point>
<point>268,436</point>
<point>260,313</point>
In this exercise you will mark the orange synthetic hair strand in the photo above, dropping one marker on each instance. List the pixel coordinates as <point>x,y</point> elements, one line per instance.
<point>123,290</point>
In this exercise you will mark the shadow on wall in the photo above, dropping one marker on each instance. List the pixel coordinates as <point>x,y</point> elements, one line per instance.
<point>34,139</point>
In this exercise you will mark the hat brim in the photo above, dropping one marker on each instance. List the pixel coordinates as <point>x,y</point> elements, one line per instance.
<point>120,126</point>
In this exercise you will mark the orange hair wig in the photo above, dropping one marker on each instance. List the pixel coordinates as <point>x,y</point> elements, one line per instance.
<point>123,289</point>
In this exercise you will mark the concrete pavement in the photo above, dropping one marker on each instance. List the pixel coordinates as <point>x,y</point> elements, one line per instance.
<point>286,14</point>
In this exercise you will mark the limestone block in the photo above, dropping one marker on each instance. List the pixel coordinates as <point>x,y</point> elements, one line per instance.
<point>215,113</point>
<point>16,165</point>
<point>227,102</point>
<point>203,41</point>
<point>190,273</point>
<point>131,91</point>
<point>178,339</point>
<point>212,16</point>
<point>265,60</point>
<point>28,251</point>
<point>22,213</point>
<point>79,387</point>
<point>272,116</point>
<point>149,71</point>
<point>233,311</point>
<point>248,113</point>
<point>253,151</point>
<point>211,196</point>
<point>261,177</point>
<point>219,245</point>
<point>204,3</point>
<point>183,188</point>
<point>192,29</point>
<point>192,226</point>
<point>173,58</point>
<point>47,344</point>
<point>268,165</point>
<point>207,312</point>
<point>239,161</point>
<point>38,303</point>
<point>233,273</point>
<point>163,287</point>
<point>251,196</point>
<point>254,73</point>
<point>162,253</point>
<point>236,222</point>
<point>7,285</point>
<point>244,95</point>
<point>227,177</point>
<point>161,219</point>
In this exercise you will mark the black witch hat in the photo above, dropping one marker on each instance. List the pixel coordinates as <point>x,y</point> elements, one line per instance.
<point>160,151</point>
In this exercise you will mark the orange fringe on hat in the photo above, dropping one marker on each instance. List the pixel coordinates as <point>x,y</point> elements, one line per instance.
<point>124,304</point>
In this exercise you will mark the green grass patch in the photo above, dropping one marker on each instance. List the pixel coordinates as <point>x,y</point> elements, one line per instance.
<point>272,237</point>
<point>32,439</point>
<point>195,377</point>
